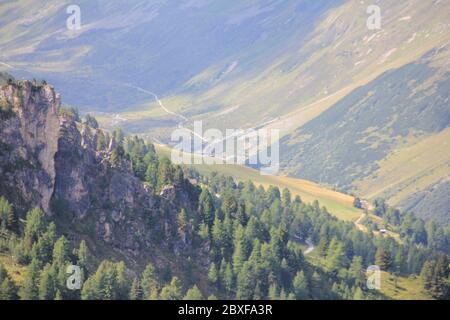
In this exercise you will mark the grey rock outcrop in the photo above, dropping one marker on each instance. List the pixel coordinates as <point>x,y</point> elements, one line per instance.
<point>52,162</point>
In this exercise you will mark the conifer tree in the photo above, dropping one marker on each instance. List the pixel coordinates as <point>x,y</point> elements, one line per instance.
<point>8,290</point>
<point>34,227</point>
<point>61,252</point>
<point>383,258</point>
<point>82,254</point>
<point>301,287</point>
<point>193,294</point>
<point>42,250</point>
<point>47,283</point>
<point>356,271</point>
<point>245,283</point>
<point>7,218</point>
<point>135,290</point>
<point>172,291</point>
<point>206,207</point>
<point>213,275</point>
<point>227,278</point>
<point>149,282</point>
<point>30,287</point>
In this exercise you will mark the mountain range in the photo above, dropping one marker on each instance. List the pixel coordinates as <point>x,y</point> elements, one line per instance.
<point>362,111</point>
<point>74,196</point>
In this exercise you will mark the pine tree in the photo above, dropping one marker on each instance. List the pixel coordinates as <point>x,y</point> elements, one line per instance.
<point>356,271</point>
<point>273,292</point>
<point>8,290</point>
<point>30,288</point>
<point>61,251</point>
<point>336,258</point>
<point>218,233</point>
<point>151,175</point>
<point>42,250</point>
<point>172,291</point>
<point>183,225</point>
<point>3,273</point>
<point>116,156</point>
<point>91,121</point>
<point>383,258</point>
<point>229,205</point>
<point>135,290</point>
<point>108,283</point>
<point>227,278</point>
<point>242,248</point>
<point>7,218</point>
<point>359,294</point>
<point>213,275</point>
<point>149,282</point>
<point>322,247</point>
<point>47,283</point>
<point>121,282</point>
<point>101,141</point>
<point>203,231</point>
<point>193,294</point>
<point>118,136</point>
<point>298,199</point>
<point>241,214</point>
<point>34,227</point>
<point>301,287</point>
<point>58,295</point>
<point>399,262</point>
<point>165,172</point>
<point>426,274</point>
<point>206,207</point>
<point>82,254</point>
<point>245,283</point>
<point>286,197</point>
<point>258,294</point>
<point>316,285</point>
<point>439,286</point>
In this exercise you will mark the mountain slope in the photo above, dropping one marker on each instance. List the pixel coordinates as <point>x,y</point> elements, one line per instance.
<point>311,73</point>
<point>150,67</point>
<point>52,162</point>
<point>350,144</point>
<point>139,229</point>
<point>338,204</point>
<point>158,46</point>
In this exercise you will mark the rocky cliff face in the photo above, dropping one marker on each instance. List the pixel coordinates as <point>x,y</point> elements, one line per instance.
<point>52,162</point>
<point>29,140</point>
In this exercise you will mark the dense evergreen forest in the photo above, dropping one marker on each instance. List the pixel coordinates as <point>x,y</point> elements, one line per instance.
<point>253,240</point>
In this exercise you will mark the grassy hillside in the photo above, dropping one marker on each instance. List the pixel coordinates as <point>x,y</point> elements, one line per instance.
<point>296,66</point>
<point>402,288</point>
<point>16,271</point>
<point>347,99</point>
<point>157,45</point>
<point>311,74</point>
<point>391,287</point>
<point>386,139</point>
<point>411,173</point>
<point>339,204</point>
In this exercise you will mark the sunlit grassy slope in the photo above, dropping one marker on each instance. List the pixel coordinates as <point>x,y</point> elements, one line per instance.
<point>403,289</point>
<point>313,73</point>
<point>391,288</point>
<point>16,271</point>
<point>339,204</point>
<point>409,169</point>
